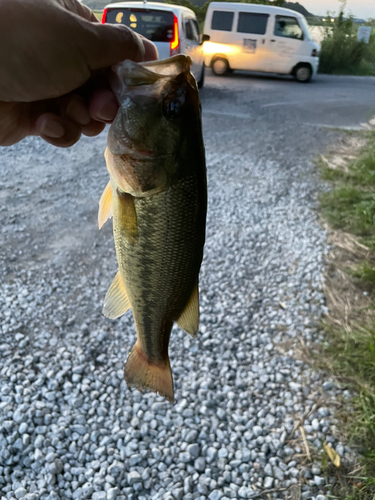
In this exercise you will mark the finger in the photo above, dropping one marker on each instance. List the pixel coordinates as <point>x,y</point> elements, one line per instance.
<point>104,45</point>
<point>103,106</point>
<point>151,52</point>
<point>93,128</point>
<point>57,131</point>
<point>15,122</point>
<point>75,109</point>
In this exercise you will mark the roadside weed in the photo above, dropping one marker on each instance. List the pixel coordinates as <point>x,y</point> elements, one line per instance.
<point>349,350</point>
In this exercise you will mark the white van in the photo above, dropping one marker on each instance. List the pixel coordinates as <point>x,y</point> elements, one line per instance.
<point>172,28</point>
<point>259,38</point>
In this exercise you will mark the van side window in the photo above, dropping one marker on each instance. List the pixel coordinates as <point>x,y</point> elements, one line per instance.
<point>195,28</point>
<point>252,23</point>
<point>288,27</point>
<point>222,20</point>
<point>191,30</point>
<point>188,29</point>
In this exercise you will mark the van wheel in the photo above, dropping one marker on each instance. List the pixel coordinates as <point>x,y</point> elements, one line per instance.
<point>220,66</point>
<point>201,79</point>
<point>303,73</point>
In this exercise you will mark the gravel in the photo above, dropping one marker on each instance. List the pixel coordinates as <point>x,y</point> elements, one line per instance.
<point>69,426</point>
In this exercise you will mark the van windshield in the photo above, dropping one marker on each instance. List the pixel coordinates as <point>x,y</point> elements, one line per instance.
<point>306,28</point>
<point>156,25</point>
<point>288,27</point>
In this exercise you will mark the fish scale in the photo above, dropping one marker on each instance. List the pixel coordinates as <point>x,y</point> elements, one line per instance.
<point>160,270</point>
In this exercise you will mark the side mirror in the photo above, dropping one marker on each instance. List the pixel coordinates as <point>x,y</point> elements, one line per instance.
<point>205,38</point>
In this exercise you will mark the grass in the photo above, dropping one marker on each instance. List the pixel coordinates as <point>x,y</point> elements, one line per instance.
<point>365,271</point>
<point>350,206</point>
<point>352,360</point>
<point>349,350</point>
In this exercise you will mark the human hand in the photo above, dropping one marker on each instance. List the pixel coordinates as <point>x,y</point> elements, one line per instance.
<point>54,59</point>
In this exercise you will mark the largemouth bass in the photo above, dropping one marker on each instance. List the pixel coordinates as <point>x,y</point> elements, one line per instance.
<point>157,195</point>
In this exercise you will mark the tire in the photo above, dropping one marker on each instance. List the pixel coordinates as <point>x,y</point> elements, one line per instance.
<point>303,73</point>
<point>220,66</point>
<point>200,82</point>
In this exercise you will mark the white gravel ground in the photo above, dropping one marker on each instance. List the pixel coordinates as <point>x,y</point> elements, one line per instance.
<point>69,427</point>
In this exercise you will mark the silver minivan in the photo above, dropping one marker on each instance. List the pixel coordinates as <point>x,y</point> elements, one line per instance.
<point>173,29</point>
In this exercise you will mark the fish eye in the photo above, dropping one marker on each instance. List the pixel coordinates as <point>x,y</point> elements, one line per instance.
<point>172,109</point>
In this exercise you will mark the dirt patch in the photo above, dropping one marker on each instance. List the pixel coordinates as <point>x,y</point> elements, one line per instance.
<point>348,298</point>
<point>345,151</point>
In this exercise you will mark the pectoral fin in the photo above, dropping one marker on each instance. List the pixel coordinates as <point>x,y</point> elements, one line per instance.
<point>105,205</point>
<point>189,319</point>
<point>127,217</point>
<point>116,301</point>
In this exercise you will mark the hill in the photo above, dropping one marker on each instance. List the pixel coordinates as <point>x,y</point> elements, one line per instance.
<point>298,8</point>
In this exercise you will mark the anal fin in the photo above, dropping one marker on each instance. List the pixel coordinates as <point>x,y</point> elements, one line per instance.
<point>189,319</point>
<point>116,301</point>
<point>105,206</point>
<point>142,373</point>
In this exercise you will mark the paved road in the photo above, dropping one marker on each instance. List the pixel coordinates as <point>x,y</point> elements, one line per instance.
<point>69,427</point>
<point>328,101</point>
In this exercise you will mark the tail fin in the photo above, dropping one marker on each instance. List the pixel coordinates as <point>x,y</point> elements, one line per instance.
<point>141,373</point>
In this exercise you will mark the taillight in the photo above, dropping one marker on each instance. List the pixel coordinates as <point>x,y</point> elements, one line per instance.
<point>104,16</point>
<point>315,53</point>
<point>175,43</point>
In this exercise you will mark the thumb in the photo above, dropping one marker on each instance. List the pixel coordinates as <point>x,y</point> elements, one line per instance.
<point>109,44</point>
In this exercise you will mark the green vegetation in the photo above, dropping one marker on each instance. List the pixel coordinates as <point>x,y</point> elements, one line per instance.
<point>352,209</point>
<point>351,205</point>
<point>349,351</point>
<point>365,271</point>
<point>352,360</point>
<point>341,53</point>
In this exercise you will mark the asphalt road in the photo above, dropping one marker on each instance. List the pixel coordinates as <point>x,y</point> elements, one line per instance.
<point>240,392</point>
<point>326,102</point>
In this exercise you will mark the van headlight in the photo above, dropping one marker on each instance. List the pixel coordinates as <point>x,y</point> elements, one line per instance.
<point>315,53</point>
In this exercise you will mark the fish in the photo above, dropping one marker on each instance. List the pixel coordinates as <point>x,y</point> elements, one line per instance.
<point>157,196</point>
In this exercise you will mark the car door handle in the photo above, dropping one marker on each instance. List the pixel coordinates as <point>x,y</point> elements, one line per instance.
<point>272,40</point>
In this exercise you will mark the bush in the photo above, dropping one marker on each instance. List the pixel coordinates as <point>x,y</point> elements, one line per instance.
<point>341,53</point>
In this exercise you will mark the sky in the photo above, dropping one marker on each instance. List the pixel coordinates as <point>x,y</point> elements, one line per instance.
<point>359,8</point>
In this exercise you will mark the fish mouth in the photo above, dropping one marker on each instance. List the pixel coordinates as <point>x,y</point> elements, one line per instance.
<point>139,176</point>
<point>139,154</point>
<point>127,148</point>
